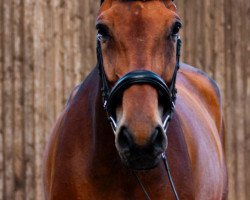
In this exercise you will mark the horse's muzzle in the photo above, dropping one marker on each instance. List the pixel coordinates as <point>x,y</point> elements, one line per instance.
<point>141,157</point>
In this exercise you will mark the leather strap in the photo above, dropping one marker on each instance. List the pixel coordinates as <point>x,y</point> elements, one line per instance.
<point>140,77</point>
<point>105,87</point>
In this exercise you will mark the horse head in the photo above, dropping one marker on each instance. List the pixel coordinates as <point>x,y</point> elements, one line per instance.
<point>139,35</point>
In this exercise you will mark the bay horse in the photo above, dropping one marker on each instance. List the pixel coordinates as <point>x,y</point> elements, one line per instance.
<point>111,140</point>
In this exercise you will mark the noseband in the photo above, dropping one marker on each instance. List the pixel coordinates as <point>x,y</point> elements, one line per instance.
<point>110,97</point>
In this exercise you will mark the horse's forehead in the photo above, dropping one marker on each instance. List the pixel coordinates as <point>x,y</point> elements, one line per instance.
<point>137,13</point>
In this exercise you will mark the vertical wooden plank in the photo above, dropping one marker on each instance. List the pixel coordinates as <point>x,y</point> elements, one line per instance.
<point>203,13</point>
<point>229,104</point>
<point>239,95</point>
<point>92,12</point>
<point>245,65</point>
<point>1,104</point>
<point>88,35</point>
<point>189,21</point>
<point>84,33</point>
<point>18,148</point>
<point>8,100</point>
<point>59,67</point>
<point>208,36</point>
<point>219,46</point>
<point>78,65</point>
<point>196,58</point>
<point>29,98</point>
<point>49,56</point>
<point>246,41</point>
<point>68,48</point>
<point>193,32</point>
<point>39,91</point>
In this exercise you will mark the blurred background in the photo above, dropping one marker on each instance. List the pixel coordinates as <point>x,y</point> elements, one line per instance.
<point>48,46</point>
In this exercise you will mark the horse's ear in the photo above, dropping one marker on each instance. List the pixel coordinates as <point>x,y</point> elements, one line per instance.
<point>170,5</point>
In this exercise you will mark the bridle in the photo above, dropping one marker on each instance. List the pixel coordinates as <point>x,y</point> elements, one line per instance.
<point>166,93</point>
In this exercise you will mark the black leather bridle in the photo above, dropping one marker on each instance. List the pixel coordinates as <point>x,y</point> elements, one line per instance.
<point>167,94</point>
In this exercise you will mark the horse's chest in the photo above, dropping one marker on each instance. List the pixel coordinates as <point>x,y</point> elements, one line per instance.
<point>121,184</point>
<point>160,190</point>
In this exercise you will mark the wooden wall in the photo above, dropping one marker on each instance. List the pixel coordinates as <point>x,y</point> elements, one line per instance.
<point>47,47</point>
<point>217,40</point>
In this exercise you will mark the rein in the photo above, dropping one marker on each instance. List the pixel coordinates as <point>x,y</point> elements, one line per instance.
<point>164,158</point>
<point>168,94</point>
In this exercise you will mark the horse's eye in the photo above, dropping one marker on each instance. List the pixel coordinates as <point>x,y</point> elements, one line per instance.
<point>102,32</point>
<point>176,28</point>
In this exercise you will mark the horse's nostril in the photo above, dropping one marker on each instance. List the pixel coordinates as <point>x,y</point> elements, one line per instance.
<point>158,138</point>
<point>124,138</point>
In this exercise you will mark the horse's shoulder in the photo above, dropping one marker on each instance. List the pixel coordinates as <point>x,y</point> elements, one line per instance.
<point>204,89</point>
<point>79,98</point>
<point>200,81</point>
<point>71,123</point>
<point>199,108</point>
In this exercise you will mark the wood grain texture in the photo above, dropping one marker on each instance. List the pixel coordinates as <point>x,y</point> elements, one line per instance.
<point>220,47</point>
<point>18,131</point>
<point>28,68</point>
<point>1,104</point>
<point>48,47</point>
<point>8,100</point>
